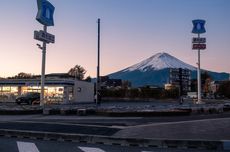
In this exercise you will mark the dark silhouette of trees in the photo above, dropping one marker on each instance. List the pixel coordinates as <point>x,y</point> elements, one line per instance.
<point>205,83</point>
<point>22,75</point>
<point>206,80</point>
<point>88,79</point>
<point>224,89</point>
<point>78,72</point>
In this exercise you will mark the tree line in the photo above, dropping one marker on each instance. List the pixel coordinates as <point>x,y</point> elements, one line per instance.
<point>77,72</point>
<point>143,92</point>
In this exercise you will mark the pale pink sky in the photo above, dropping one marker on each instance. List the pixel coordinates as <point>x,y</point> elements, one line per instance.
<point>132,31</point>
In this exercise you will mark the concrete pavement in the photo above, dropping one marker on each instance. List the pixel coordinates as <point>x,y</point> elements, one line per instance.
<point>207,129</point>
<point>171,132</point>
<point>29,145</point>
<point>197,131</point>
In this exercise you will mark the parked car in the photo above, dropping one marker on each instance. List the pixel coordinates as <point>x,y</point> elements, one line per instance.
<point>29,98</point>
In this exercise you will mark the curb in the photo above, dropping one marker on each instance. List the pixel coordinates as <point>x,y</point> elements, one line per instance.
<point>82,111</point>
<point>20,112</point>
<point>106,140</point>
<point>144,113</point>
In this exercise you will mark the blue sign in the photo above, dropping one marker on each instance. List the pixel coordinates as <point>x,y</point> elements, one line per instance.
<point>198,26</point>
<point>45,13</point>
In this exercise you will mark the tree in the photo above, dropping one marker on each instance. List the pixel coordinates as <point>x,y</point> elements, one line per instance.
<point>78,72</point>
<point>207,86</point>
<point>193,85</point>
<point>88,79</point>
<point>126,84</point>
<point>224,89</point>
<point>22,75</point>
<point>206,82</point>
<point>204,76</point>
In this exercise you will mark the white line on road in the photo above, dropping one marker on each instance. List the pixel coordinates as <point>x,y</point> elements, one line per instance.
<point>90,149</point>
<point>177,122</point>
<point>27,147</point>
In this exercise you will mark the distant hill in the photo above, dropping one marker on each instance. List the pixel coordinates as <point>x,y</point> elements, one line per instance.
<point>155,71</point>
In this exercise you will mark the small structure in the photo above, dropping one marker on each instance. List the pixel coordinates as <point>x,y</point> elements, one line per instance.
<point>215,86</point>
<point>180,78</point>
<point>106,82</point>
<point>192,95</point>
<point>59,88</point>
<point>169,86</point>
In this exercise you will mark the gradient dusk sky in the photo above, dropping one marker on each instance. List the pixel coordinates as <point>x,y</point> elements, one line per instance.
<point>131,31</point>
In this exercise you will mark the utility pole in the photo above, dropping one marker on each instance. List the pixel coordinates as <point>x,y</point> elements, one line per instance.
<point>98,84</point>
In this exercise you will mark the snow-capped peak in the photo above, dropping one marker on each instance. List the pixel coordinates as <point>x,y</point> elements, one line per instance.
<point>160,61</point>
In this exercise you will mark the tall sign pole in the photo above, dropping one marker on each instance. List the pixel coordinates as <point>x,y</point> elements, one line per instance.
<point>198,76</point>
<point>98,84</point>
<point>45,17</point>
<point>198,43</point>
<point>43,69</point>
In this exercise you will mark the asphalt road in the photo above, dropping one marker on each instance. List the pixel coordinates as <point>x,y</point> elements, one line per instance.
<point>134,127</point>
<point>26,145</point>
<point>59,128</point>
<point>108,126</point>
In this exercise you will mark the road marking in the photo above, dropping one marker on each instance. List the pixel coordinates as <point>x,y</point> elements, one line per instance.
<point>27,147</point>
<point>61,123</point>
<point>90,149</point>
<point>177,122</point>
<point>226,144</point>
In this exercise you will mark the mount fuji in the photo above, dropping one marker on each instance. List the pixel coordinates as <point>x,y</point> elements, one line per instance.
<point>158,62</point>
<point>156,70</point>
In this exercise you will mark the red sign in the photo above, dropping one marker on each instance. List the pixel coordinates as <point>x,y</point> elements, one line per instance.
<point>199,46</point>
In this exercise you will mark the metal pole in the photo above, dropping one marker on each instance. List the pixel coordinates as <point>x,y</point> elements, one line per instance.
<point>98,64</point>
<point>42,101</point>
<point>198,78</point>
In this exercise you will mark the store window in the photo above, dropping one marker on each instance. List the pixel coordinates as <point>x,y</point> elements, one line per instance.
<point>8,93</point>
<point>54,94</point>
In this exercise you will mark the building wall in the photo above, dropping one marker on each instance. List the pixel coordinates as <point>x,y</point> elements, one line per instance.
<point>83,91</point>
<point>181,78</point>
<point>56,90</point>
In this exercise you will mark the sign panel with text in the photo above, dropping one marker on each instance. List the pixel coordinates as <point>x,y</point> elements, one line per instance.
<point>198,40</point>
<point>44,36</point>
<point>198,26</point>
<point>45,13</point>
<point>199,46</point>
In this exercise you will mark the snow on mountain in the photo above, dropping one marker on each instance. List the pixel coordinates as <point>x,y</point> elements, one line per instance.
<point>159,61</point>
<point>155,71</point>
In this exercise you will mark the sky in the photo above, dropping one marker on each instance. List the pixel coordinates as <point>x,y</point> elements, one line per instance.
<point>131,31</point>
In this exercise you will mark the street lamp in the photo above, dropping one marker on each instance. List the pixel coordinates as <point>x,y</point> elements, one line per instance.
<point>39,46</point>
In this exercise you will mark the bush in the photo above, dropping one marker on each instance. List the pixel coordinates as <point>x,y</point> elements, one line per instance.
<point>224,89</point>
<point>144,92</point>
